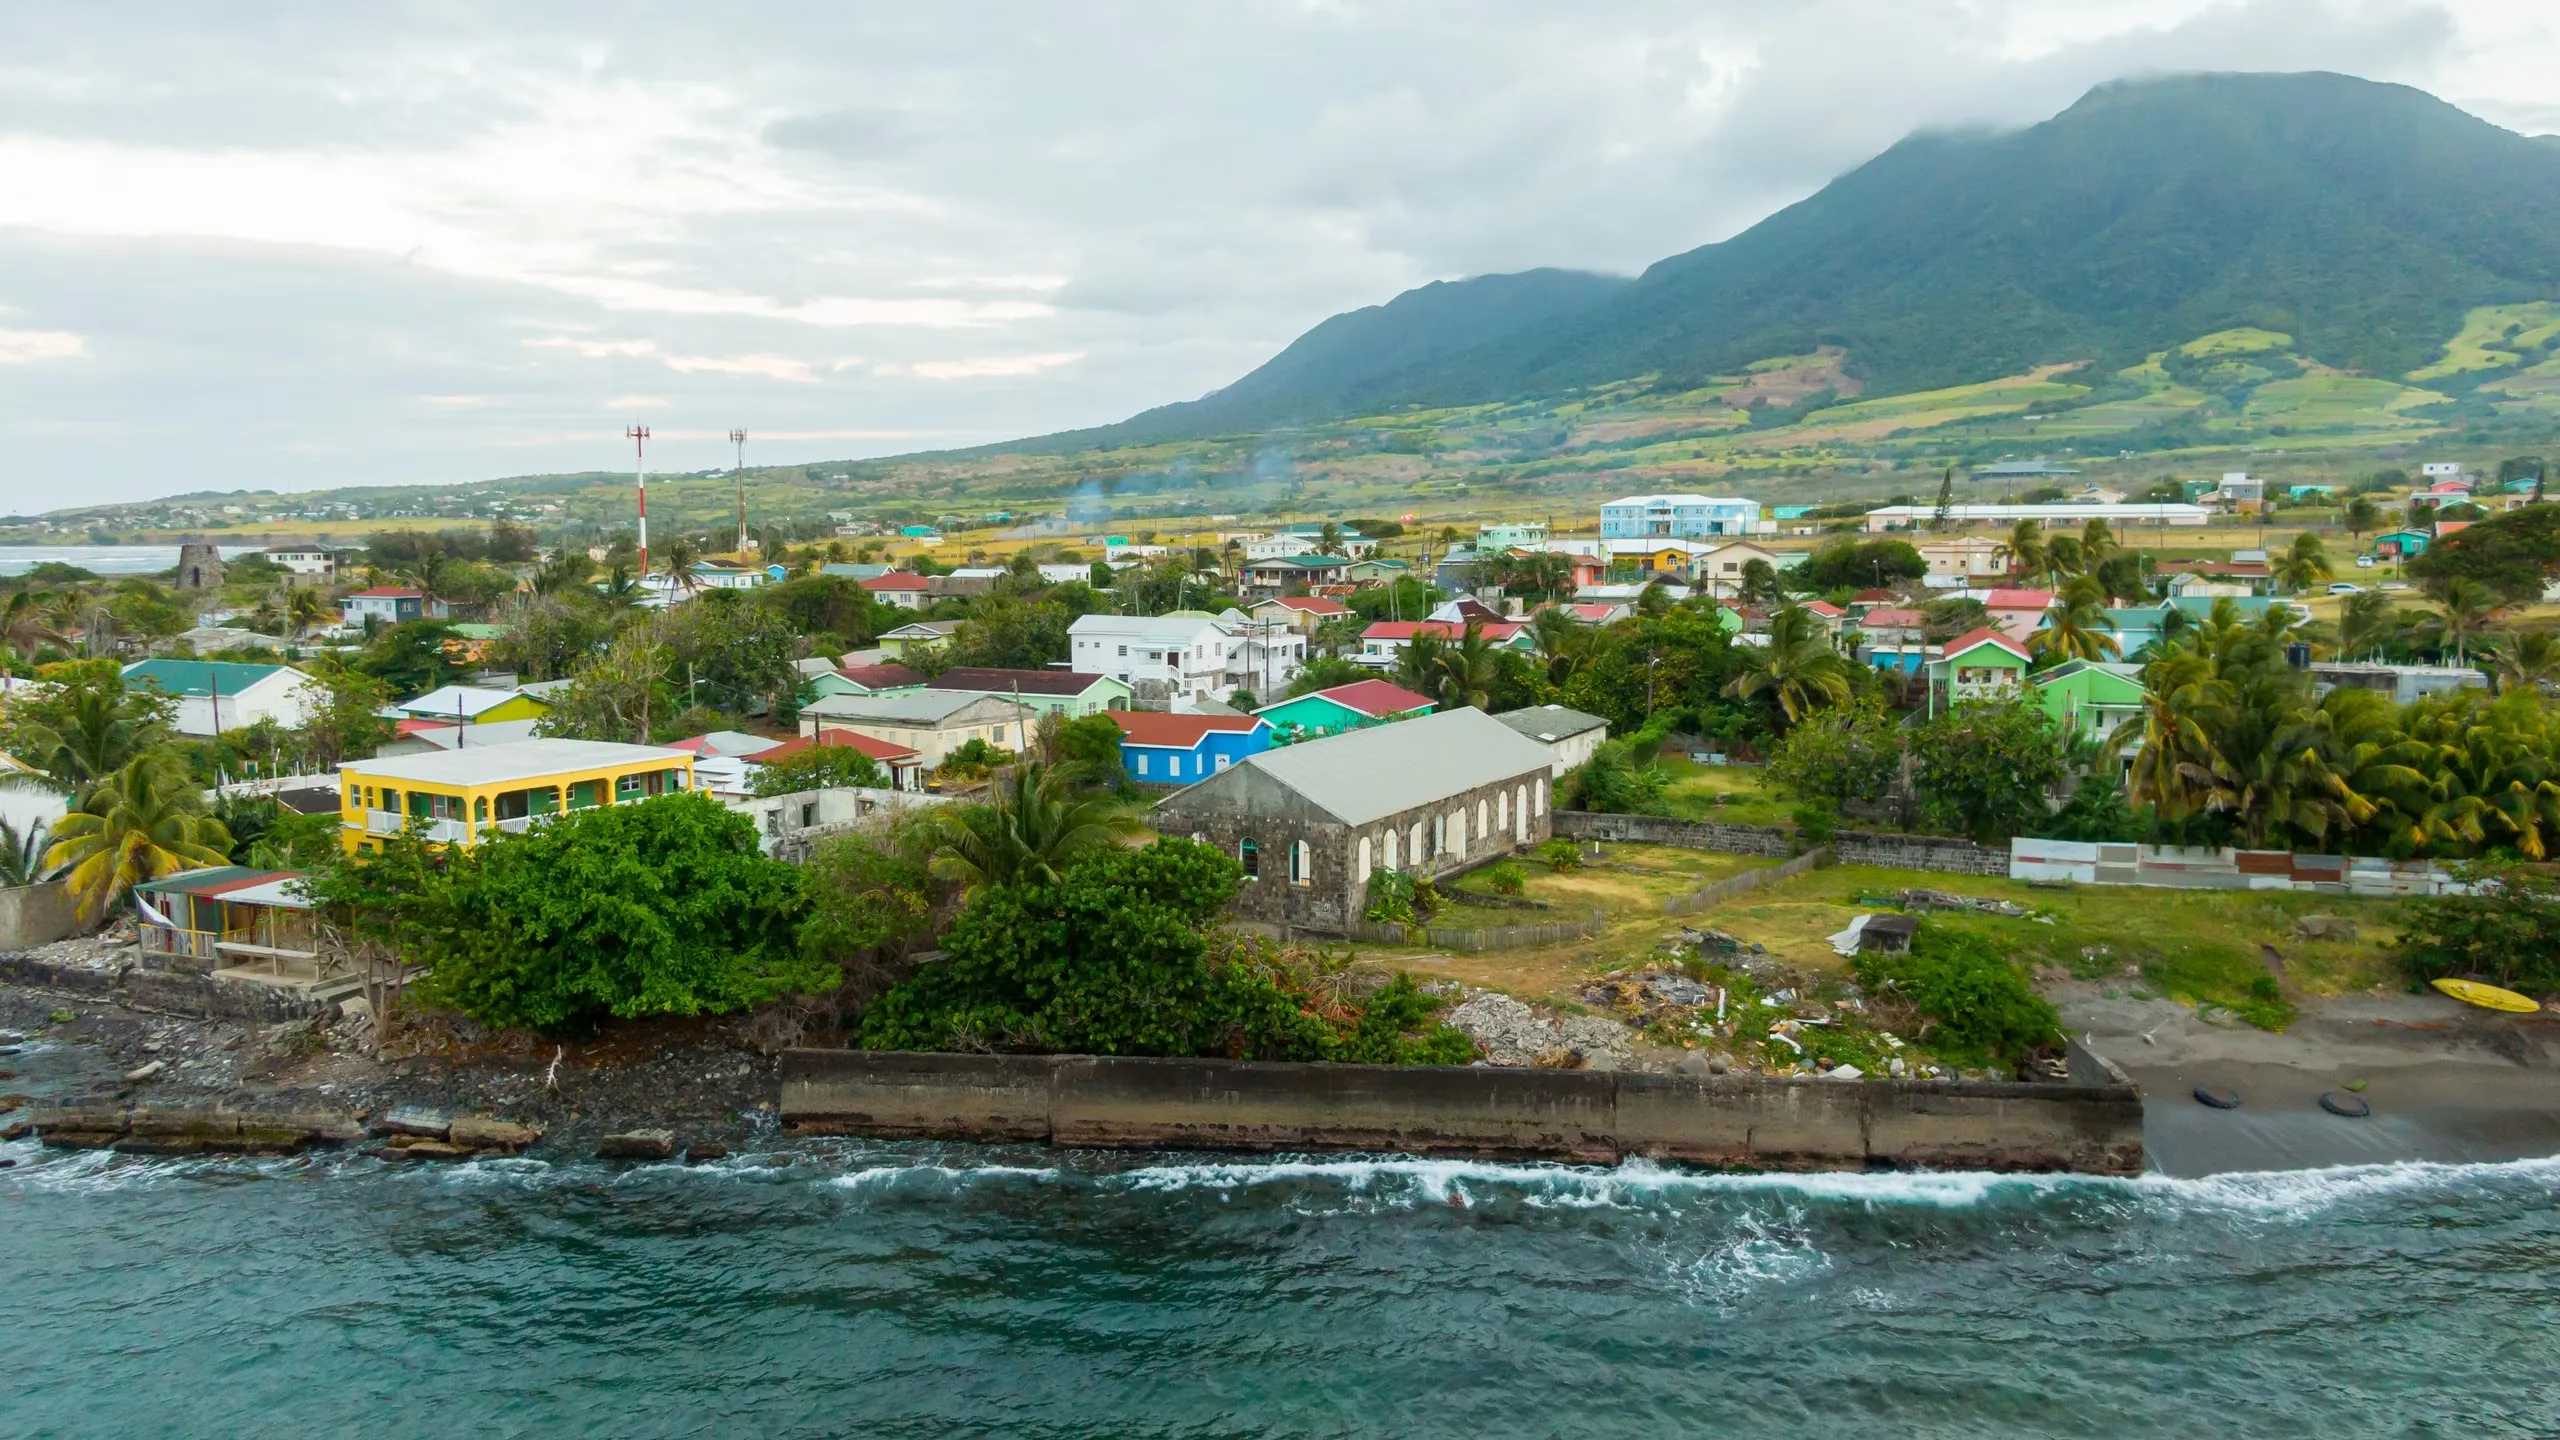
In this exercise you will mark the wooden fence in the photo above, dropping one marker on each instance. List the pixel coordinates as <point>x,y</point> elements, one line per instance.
<point>1504,937</point>
<point>1744,883</point>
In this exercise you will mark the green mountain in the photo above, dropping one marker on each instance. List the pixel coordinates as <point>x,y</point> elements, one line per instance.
<point>2363,220</point>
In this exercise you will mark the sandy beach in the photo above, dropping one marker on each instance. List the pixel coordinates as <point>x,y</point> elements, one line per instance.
<point>2447,1082</point>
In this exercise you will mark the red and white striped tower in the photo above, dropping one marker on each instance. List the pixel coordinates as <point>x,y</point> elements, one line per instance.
<point>639,437</point>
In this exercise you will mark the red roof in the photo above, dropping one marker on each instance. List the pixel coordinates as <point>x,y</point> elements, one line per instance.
<point>1883,618</point>
<point>1873,597</point>
<point>1589,611</point>
<point>880,750</point>
<point>1375,698</point>
<point>389,592</point>
<point>882,677</point>
<point>2019,600</point>
<point>1496,630</point>
<point>412,727</point>
<point>1976,639</point>
<point>1314,604</point>
<point>1181,732</point>
<point>1825,609</point>
<point>895,580</point>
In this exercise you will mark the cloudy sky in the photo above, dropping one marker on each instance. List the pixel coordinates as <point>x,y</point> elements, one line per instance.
<point>284,246</point>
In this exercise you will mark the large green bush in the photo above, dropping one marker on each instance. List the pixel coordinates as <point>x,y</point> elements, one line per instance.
<point>1977,1005</point>
<point>659,908</point>
<point>2509,934</point>
<point>1119,958</point>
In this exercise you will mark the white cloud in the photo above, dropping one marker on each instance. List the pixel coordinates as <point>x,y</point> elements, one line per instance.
<point>636,402</point>
<point>353,233</point>
<point>981,368</point>
<point>22,347</point>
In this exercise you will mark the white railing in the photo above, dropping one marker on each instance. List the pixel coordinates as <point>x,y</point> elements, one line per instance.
<point>384,822</point>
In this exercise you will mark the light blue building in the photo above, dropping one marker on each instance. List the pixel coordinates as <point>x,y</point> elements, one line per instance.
<point>1679,517</point>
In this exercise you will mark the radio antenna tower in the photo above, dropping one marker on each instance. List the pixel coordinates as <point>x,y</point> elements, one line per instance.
<point>739,439</point>
<point>639,437</point>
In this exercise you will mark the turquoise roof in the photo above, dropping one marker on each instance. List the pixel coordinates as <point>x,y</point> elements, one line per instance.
<point>197,677</point>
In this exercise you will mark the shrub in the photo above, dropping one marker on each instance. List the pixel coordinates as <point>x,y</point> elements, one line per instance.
<point>2509,934</point>
<point>1119,958</point>
<point>1613,782</point>
<point>1504,877</point>
<point>1980,1004</point>
<point>1560,854</point>
<point>1817,824</point>
<point>1390,898</point>
<point>665,907</point>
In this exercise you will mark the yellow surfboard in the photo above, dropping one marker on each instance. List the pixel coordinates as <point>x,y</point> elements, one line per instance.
<point>2487,997</point>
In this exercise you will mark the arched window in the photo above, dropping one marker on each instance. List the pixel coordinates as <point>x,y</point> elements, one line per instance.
<point>1249,855</point>
<point>1392,836</point>
<point>1538,794</point>
<point>1458,833</point>
<point>1520,828</point>
<point>1364,857</point>
<point>1302,863</point>
<point>1439,836</point>
<point>1502,811</point>
<point>1484,818</point>
<point>1418,853</point>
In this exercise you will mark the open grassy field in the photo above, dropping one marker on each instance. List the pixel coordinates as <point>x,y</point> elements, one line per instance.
<point>1735,794</point>
<point>2194,946</point>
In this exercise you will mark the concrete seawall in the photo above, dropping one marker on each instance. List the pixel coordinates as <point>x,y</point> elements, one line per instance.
<point>1570,1115</point>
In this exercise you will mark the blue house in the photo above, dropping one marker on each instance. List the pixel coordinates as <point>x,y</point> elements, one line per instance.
<point>1157,748</point>
<point>1678,517</point>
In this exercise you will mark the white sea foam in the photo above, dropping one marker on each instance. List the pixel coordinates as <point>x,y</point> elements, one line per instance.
<point>2301,1194</point>
<point>878,1176</point>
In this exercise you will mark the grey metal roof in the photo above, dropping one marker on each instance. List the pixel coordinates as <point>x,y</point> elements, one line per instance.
<point>1366,775</point>
<point>1550,722</point>
<point>910,707</point>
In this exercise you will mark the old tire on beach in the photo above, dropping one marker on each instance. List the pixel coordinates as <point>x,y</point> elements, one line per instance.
<point>2340,1102</point>
<point>2218,1099</point>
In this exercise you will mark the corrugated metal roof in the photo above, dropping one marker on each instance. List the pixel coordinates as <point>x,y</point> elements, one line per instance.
<point>1385,770</point>
<point>197,677</point>
<point>1550,722</point>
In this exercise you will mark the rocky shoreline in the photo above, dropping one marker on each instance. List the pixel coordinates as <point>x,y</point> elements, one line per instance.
<point>100,1073</point>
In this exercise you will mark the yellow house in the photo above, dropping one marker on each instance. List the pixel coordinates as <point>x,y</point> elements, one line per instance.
<point>472,705</point>
<point>459,796</point>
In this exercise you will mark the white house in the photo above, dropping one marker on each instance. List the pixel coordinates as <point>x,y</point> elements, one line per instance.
<point>304,562</point>
<point>1187,655</point>
<point>1570,735</point>
<point>217,696</point>
<point>1683,517</point>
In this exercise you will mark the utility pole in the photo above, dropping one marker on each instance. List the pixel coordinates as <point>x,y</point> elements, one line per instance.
<point>739,439</point>
<point>638,435</point>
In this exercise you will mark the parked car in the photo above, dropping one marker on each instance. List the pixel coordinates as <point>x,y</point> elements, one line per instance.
<point>2344,588</point>
<point>2364,562</point>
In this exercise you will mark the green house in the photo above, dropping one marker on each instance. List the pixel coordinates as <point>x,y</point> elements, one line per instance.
<point>1344,707</point>
<point>2088,699</point>
<point>1982,665</point>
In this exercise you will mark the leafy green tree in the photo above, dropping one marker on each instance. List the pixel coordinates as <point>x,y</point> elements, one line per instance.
<point>1980,1006</point>
<point>820,767</point>
<point>142,822</point>
<point>664,907</point>
<point>548,634</point>
<point>1862,564</point>
<point>2512,557</point>
<point>1325,673</point>
<point>2527,660</point>
<point>1984,769</point>
<point>1614,782</point>
<point>342,719</point>
<point>872,898</point>
<point>412,657</point>
<point>2303,566</point>
<point>1852,753</point>
<point>2362,518</point>
<point>615,694</point>
<point>1088,752</point>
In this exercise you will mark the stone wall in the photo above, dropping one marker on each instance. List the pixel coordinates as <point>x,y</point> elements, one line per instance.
<point>168,991</point>
<point>1851,847</point>
<point>1583,1116</point>
<point>1243,805</point>
<point>35,915</point>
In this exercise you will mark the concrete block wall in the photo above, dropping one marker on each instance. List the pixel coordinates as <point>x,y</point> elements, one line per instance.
<point>1850,847</point>
<point>1572,1115</point>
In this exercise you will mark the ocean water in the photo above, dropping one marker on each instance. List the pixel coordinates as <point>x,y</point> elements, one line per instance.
<point>104,559</point>
<point>926,1290</point>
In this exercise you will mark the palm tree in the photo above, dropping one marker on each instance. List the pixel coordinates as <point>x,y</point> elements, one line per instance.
<point>2303,566</point>
<point>2527,660</point>
<point>2174,761</point>
<point>304,611</point>
<point>2063,557</point>
<point>1329,539</point>
<point>2097,542</point>
<point>22,854</point>
<point>1468,671</point>
<point>2364,622</point>
<point>1760,584</point>
<point>1418,664</point>
<point>1654,600</point>
<point>2077,626</point>
<point>26,625</point>
<point>102,729</point>
<point>682,552</point>
<point>1033,828</point>
<point>140,823</point>
<point>619,590</point>
<point>567,570</point>
<point>2462,614</point>
<point>2025,552</point>
<point>1798,665</point>
<point>1563,642</point>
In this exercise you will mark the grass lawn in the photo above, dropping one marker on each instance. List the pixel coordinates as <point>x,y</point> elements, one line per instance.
<point>2190,945</point>
<point>1735,794</point>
